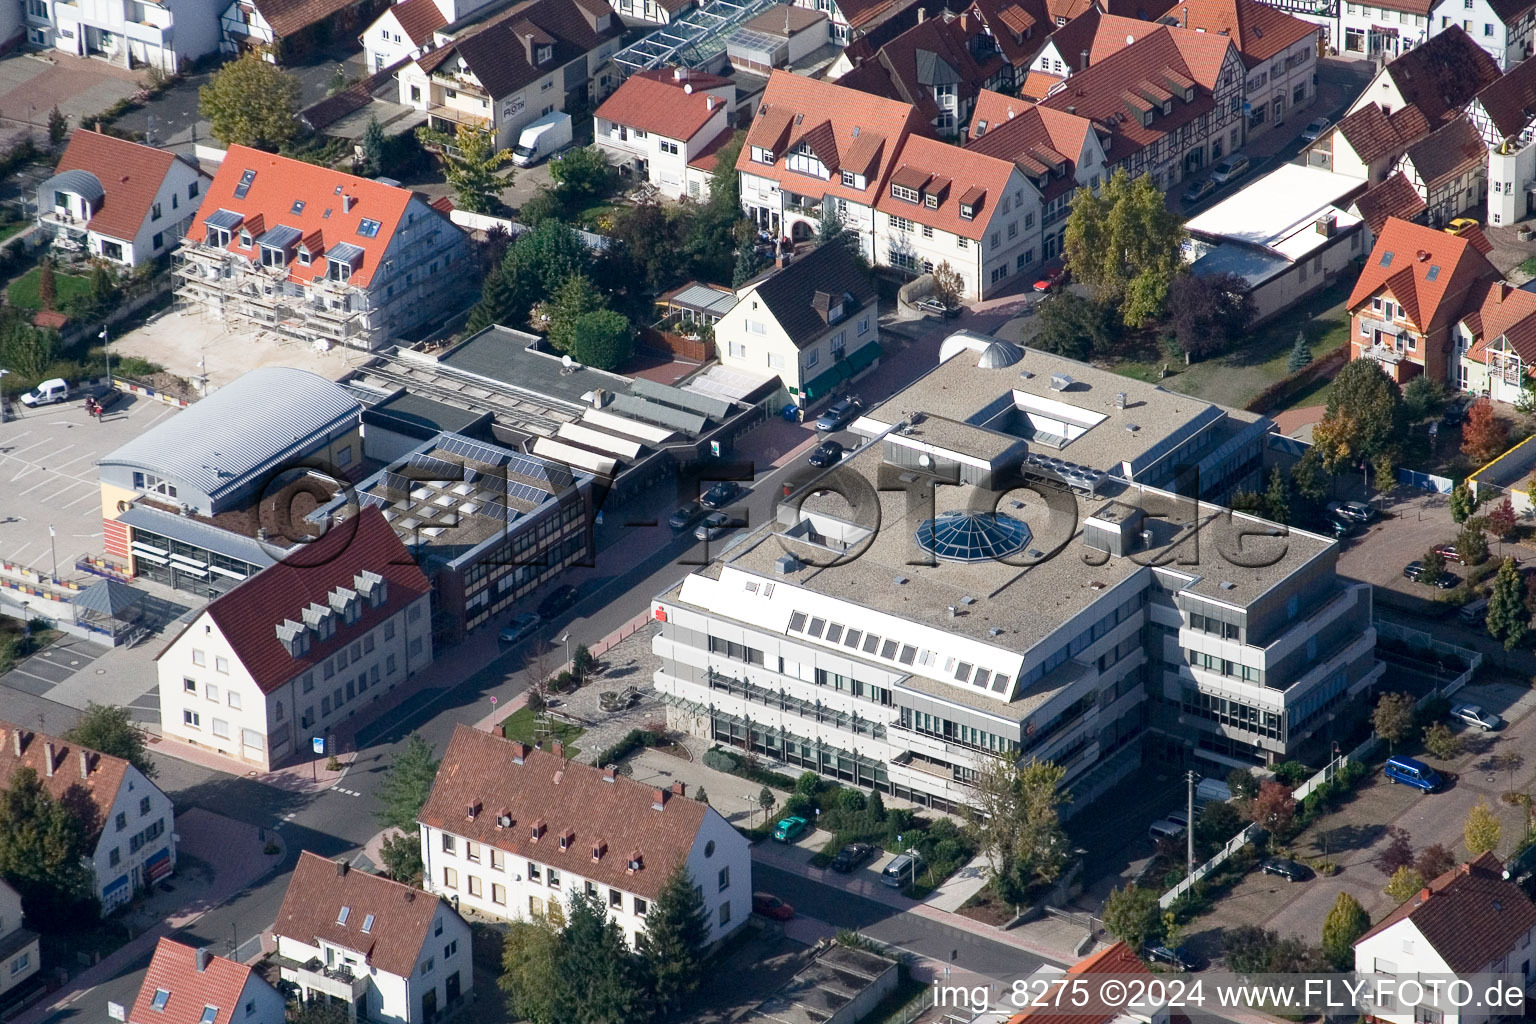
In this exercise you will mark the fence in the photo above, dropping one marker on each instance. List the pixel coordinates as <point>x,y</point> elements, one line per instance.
<point>1412,478</point>
<point>1426,641</point>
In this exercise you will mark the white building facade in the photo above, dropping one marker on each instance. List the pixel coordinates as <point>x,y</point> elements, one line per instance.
<point>162,34</point>
<point>1379,30</point>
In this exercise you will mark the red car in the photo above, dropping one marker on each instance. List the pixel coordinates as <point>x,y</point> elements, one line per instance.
<point>1054,277</point>
<point>769,905</point>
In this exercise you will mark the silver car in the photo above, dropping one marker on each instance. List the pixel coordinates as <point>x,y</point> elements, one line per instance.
<point>1471,714</point>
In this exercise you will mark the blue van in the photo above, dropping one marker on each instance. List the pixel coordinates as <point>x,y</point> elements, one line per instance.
<point>1412,773</point>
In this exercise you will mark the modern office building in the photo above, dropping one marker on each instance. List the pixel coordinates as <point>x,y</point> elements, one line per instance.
<point>1027,557</point>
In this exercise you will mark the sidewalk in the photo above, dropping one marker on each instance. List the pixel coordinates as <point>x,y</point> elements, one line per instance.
<point>231,849</point>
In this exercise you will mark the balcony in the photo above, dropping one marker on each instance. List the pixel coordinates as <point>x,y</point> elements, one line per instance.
<point>454,115</point>
<point>143,31</point>
<point>315,977</point>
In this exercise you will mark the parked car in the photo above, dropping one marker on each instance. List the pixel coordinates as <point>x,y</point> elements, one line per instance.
<point>1411,773</point>
<point>1471,714</point>
<point>720,495</point>
<point>1177,957</point>
<point>1449,553</point>
<point>769,905</point>
<point>1165,828</point>
<point>902,870</point>
<point>826,453</point>
<point>1230,169</point>
<point>1053,277</point>
<point>106,398</point>
<point>1460,226</point>
<point>519,628</point>
<point>1343,528</point>
<point>851,856</point>
<point>686,516</point>
<point>1474,612</point>
<point>839,414</point>
<point>55,389</point>
<point>1290,870</point>
<point>1315,129</point>
<point>789,829</point>
<point>1415,571</point>
<point>559,599</point>
<point>1198,191</point>
<point>1456,411</point>
<point>1359,511</point>
<point>715,526</point>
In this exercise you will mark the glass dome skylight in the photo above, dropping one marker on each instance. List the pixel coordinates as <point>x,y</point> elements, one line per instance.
<point>970,536</point>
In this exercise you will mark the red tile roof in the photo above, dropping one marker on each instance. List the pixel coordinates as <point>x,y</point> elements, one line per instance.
<point>419,19</point>
<point>1504,311</point>
<point>1117,960</point>
<point>288,17</point>
<point>1470,915</point>
<point>937,49</point>
<point>1441,76</point>
<point>402,914</point>
<point>864,132</point>
<point>280,183</point>
<point>248,616</point>
<point>1020,27</point>
<point>1374,136</point>
<point>1448,152</point>
<point>90,795</point>
<point>1038,85</point>
<point>130,175</point>
<point>173,969</point>
<point>660,103</point>
<point>1510,100</point>
<point>1430,272</point>
<point>1258,30</point>
<point>1033,136</point>
<point>946,171</point>
<point>619,816</point>
<point>709,155</point>
<point>1395,197</point>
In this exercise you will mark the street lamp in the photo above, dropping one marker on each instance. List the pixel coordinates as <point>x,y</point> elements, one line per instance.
<point>567,641</point>
<point>4,405</point>
<point>26,620</point>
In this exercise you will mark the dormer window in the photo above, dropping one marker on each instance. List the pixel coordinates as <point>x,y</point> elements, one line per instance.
<point>967,211</point>
<point>245,239</point>
<point>636,862</point>
<point>544,53</point>
<point>930,200</point>
<point>304,257</point>
<point>219,237</point>
<point>835,313</point>
<point>761,155</point>
<point>566,839</point>
<point>902,192</point>
<point>536,830</point>
<point>271,257</point>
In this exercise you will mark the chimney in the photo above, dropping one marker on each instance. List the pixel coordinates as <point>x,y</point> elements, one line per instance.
<point>922,13</point>
<point>519,751</point>
<point>659,799</point>
<point>48,759</point>
<point>1466,868</point>
<point>709,103</point>
<point>16,743</point>
<point>557,748</point>
<point>346,204</point>
<point>1084,56</point>
<point>341,869</point>
<point>680,74</point>
<point>609,772</point>
<point>85,764</point>
<point>203,957</point>
<point>679,789</point>
<point>1504,290</point>
<point>1424,894</point>
<point>1185,23</point>
<point>965,22</point>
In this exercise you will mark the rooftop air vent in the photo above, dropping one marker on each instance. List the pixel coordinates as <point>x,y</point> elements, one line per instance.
<point>1061,381</point>
<point>1119,399</point>
<point>901,581</point>
<point>967,600</point>
<point>786,564</point>
<point>1228,585</point>
<point>1131,428</point>
<point>1026,375</point>
<point>950,611</point>
<point>995,631</point>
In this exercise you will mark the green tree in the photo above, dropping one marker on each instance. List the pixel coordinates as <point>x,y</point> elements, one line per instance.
<point>406,785</point>
<point>108,729</point>
<point>766,800</point>
<point>605,981</point>
<point>948,285</point>
<point>1434,567</point>
<point>581,174</point>
<point>1242,784</point>
<point>531,973</point>
<point>1132,915</point>
<point>58,126</point>
<point>1301,353</point>
<point>1422,398</point>
<point>534,268</point>
<point>249,102</point>
<point>1364,416</point>
<point>44,845</point>
<point>575,298</point>
<point>1346,922</point>
<point>470,161</point>
<point>831,228</point>
<point>1482,830</point>
<point>545,204</point>
<point>47,287</point>
<point>1463,502</point>
<point>401,853</point>
<point>319,1011</point>
<point>1404,883</point>
<point>1075,327</point>
<point>1018,822</point>
<point>1209,312</point>
<point>373,148</point>
<point>700,795</point>
<point>650,239</point>
<point>1124,243</point>
<point>724,181</point>
<point>1441,742</point>
<point>1525,401</point>
<point>1393,717</point>
<point>1507,619</point>
<point>672,945</point>
<point>603,339</point>
<point>497,305</point>
<point>1471,542</point>
<point>1306,478</point>
<point>748,265</point>
<point>1277,499</point>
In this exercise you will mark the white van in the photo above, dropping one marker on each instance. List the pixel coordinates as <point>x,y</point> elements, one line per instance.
<point>46,393</point>
<point>1212,791</point>
<point>903,870</point>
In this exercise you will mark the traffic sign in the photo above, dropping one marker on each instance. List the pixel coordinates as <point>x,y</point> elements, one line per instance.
<point>318,743</point>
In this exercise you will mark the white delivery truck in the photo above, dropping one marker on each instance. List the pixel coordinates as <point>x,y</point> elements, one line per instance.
<point>542,138</point>
<point>46,393</point>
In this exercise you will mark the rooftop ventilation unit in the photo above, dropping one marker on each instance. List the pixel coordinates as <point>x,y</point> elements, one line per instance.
<point>1228,585</point>
<point>1026,374</point>
<point>786,564</point>
<point>1119,399</point>
<point>901,580</point>
<point>1061,381</point>
<point>1131,428</point>
<point>967,600</point>
<point>995,631</point>
<point>950,611</point>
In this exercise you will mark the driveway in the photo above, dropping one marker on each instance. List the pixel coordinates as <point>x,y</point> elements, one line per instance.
<point>81,87</point>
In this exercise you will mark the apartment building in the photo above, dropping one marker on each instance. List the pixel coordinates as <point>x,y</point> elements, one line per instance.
<point>20,948</point>
<point>1369,143</point>
<point>1501,27</point>
<point>1063,151</point>
<point>977,213</point>
<point>1439,77</point>
<point>514,832</point>
<point>813,142</point>
<point>132,824</point>
<point>192,986</point>
<point>161,34</point>
<point>319,256</point>
<point>659,124</point>
<point>389,953</point>
<point>499,73</point>
<point>847,20</point>
<point>813,324</point>
<point>1055,599</point>
<point>303,645</point>
<point>1382,29</point>
<point>1279,52</point>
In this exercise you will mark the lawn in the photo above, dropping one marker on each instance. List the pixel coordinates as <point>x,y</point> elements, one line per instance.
<point>524,726</point>
<point>7,230</point>
<point>23,290</point>
<point>1236,378</point>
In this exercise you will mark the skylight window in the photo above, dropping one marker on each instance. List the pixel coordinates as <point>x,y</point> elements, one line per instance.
<point>853,637</point>
<point>246,177</point>
<point>209,1013</point>
<point>298,206</point>
<point>796,622</point>
<point>346,912</point>
<point>1386,259</point>
<point>368,228</point>
<point>368,924</point>
<point>161,995</point>
<point>1434,272</point>
<point>817,625</point>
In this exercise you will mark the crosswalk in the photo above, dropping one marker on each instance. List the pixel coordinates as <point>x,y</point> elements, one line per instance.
<point>348,792</point>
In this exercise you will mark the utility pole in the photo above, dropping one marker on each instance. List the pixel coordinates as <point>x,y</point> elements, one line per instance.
<point>1189,833</point>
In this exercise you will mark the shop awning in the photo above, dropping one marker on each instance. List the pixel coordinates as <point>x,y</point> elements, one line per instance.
<point>841,372</point>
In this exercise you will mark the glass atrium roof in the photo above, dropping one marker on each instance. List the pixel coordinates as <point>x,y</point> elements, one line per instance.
<point>966,536</point>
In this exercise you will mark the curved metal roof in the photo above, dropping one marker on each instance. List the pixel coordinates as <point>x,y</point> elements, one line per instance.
<point>968,536</point>
<point>995,352</point>
<point>265,418</point>
<point>81,183</point>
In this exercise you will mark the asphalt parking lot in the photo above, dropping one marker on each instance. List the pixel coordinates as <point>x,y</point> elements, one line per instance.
<point>48,668</point>
<point>48,478</point>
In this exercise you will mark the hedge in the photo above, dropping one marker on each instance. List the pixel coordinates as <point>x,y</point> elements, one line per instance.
<point>633,740</point>
<point>1292,384</point>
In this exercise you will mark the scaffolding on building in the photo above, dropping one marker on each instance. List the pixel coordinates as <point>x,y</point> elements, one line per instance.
<point>692,40</point>
<point>240,292</point>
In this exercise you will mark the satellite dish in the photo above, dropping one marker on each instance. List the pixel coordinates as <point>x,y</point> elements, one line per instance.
<point>924,460</point>
<point>567,362</point>
<point>1129,40</point>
